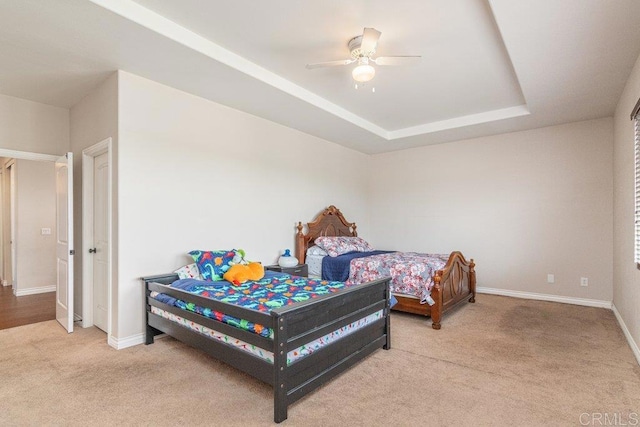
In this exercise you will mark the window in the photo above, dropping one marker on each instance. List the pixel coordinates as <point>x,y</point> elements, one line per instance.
<point>635,116</point>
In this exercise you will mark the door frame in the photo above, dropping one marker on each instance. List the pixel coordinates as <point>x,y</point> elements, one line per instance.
<point>88,159</point>
<point>23,155</point>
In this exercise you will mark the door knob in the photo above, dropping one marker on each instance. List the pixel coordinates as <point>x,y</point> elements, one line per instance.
<point>92,250</point>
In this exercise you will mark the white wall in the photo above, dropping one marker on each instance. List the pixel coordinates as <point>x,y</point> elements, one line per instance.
<point>194,174</point>
<point>626,277</point>
<point>92,120</point>
<point>33,127</point>
<point>522,204</point>
<point>35,209</point>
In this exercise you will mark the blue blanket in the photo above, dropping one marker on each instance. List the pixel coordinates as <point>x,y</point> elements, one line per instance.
<point>337,268</point>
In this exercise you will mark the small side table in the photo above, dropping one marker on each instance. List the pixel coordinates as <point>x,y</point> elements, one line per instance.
<point>298,270</point>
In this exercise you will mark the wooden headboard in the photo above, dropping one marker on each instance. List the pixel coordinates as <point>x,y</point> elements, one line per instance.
<point>329,222</point>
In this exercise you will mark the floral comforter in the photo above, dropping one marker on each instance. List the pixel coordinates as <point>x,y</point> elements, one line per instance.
<point>411,273</point>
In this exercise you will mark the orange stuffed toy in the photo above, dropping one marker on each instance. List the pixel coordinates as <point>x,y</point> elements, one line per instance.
<point>240,273</point>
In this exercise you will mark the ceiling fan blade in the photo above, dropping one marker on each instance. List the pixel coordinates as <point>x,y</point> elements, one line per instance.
<point>397,60</point>
<point>330,63</point>
<point>370,38</point>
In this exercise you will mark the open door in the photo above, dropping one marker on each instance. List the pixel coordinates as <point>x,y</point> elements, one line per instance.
<point>64,248</point>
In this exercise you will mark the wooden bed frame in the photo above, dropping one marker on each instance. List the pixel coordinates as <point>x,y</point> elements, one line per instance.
<point>453,284</point>
<point>293,326</point>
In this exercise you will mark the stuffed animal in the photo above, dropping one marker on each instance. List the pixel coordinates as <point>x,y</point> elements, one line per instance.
<point>241,273</point>
<point>239,257</point>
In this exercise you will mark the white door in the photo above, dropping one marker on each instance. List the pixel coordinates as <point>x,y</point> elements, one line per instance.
<point>100,250</point>
<point>64,248</point>
<point>2,229</point>
<point>6,227</point>
<point>13,241</point>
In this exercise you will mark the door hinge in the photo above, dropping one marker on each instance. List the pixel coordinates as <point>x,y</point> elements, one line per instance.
<point>72,252</point>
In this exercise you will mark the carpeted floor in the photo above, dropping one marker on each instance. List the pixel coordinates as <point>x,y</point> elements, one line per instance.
<point>501,361</point>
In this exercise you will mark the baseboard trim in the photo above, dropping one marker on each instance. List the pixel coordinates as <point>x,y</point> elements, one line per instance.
<point>77,317</point>
<point>546,297</point>
<point>627,334</point>
<point>33,291</point>
<point>121,343</point>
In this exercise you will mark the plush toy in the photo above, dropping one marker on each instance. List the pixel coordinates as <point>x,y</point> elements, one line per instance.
<point>239,257</point>
<point>240,273</point>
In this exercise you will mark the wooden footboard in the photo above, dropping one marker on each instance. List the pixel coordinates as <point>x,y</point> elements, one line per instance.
<point>453,284</point>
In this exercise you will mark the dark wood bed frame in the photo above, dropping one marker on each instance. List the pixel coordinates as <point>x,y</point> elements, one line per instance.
<point>453,284</point>
<point>293,326</point>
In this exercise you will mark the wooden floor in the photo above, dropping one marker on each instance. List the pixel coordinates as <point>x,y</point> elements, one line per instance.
<point>24,310</point>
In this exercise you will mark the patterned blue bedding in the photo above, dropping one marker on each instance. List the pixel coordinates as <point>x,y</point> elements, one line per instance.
<point>274,290</point>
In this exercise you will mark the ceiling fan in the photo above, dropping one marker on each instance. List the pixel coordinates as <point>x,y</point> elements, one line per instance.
<point>362,49</point>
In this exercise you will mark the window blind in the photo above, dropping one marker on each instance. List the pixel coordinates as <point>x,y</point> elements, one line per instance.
<point>636,147</point>
<point>636,126</point>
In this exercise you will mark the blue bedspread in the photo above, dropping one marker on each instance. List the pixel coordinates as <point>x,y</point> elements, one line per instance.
<point>337,268</point>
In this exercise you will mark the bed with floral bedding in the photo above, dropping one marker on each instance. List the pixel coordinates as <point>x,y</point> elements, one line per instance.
<point>427,284</point>
<point>291,332</point>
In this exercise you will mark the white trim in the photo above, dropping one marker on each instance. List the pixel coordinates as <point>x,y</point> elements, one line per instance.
<point>88,155</point>
<point>120,343</point>
<point>33,291</point>
<point>546,297</point>
<point>462,121</point>
<point>76,317</point>
<point>634,346</point>
<point>26,155</point>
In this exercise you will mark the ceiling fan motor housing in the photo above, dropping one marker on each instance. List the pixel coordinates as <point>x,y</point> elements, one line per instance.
<point>354,47</point>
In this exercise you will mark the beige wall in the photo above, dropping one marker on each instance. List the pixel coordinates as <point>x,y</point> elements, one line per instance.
<point>35,209</point>
<point>626,277</point>
<point>33,127</point>
<point>522,204</point>
<point>92,120</point>
<point>194,174</point>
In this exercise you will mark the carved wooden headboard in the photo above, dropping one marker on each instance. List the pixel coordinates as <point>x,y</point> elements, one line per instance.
<point>329,222</point>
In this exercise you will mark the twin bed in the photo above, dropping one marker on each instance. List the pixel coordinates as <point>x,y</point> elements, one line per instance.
<point>317,330</point>
<point>291,332</point>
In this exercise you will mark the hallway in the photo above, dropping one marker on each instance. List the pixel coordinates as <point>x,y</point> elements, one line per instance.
<point>24,310</point>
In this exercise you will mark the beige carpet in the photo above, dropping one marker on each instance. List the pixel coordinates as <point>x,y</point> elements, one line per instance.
<point>501,361</point>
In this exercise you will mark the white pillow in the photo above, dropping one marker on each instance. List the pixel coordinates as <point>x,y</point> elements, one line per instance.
<point>189,271</point>
<point>316,250</point>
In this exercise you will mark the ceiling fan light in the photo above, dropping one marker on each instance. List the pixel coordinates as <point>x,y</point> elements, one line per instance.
<point>363,73</point>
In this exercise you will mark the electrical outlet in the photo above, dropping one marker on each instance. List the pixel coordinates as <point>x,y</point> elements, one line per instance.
<point>584,281</point>
<point>551,278</point>
<point>45,231</point>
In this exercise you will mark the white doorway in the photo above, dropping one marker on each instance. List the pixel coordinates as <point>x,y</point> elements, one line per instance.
<point>64,290</point>
<point>96,231</point>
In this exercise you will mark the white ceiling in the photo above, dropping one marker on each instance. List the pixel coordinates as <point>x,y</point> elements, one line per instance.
<point>487,66</point>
